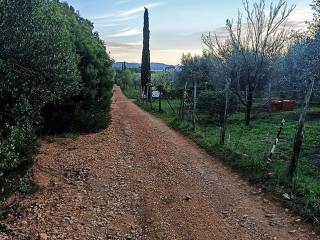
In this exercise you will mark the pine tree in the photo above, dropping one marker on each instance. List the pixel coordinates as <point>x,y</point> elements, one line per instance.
<point>145,66</point>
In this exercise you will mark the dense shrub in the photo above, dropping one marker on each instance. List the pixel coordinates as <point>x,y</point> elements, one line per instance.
<point>85,111</point>
<point>50,62</point>
<point>213,103</point>
<point>38,64</point>
<point>125,78</point>
<point>203,69</point>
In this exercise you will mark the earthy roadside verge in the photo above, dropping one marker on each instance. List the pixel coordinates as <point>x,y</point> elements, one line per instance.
<point>141,180</point>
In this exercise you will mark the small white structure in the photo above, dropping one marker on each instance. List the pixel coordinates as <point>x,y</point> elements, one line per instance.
<point>155,94</point>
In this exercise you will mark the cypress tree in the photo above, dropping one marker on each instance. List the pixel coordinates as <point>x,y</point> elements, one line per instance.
<point>145,65</point>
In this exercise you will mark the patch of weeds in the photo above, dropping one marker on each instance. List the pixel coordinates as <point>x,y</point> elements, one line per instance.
<point>26,184</point>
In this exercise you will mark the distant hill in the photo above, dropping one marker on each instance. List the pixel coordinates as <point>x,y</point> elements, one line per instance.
<point>154,66</point>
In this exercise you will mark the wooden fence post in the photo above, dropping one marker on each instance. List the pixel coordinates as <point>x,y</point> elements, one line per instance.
<point>299,133</point>
<point>225,114</point>
<point>194,114</point>
<point>276,141</point>
<point>184,98</point>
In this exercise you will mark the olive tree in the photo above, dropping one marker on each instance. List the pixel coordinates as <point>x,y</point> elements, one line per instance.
<point>197,68</point>
<point>257,35</point>
<point>164,79</point>
<point>126,78</point>
<point>314,26</point>
<point>305,58</point>
<point>220,53</point>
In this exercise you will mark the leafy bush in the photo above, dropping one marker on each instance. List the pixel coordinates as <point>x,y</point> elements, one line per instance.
<point>38,64</point>
<point>50,59</point>
<point>213,103</point>
<point>85,111</point>
<point>163,79</point>
<point>203,69</point>
<point>125,78</point>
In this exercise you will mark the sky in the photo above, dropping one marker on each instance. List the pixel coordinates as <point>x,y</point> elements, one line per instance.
<point>176,25</point>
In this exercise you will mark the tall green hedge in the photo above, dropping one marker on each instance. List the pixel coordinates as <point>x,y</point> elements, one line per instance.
<point>85,111</point>
<point>53,66</point>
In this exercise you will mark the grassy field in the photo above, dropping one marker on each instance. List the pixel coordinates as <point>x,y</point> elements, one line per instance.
<point>247,148</point>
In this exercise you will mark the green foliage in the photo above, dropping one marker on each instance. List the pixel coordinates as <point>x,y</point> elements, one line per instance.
<point>125,78</point>
<point>244,72</point>
<point>314,26</point>
<point>213,103</point>
<point>85,111</point>
<point>203,69</point>
<point>37,65</point>
<point>132,93</point>
<point>49,57</point>
<point>145,65</point>
<point>163,80</point>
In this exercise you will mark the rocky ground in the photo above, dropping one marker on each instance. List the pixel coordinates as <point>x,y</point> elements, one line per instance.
<point>141,180</point>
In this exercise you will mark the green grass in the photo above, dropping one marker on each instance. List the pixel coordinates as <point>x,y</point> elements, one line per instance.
<point>132,93</point>
<point>247,148</point>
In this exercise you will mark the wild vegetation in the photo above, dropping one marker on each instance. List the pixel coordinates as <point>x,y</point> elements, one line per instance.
<point>225,101</point>
<point>55,76</point>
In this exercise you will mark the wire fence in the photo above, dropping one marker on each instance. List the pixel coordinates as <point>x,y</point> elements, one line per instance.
<point>203,107</point>
<point>262,100</point>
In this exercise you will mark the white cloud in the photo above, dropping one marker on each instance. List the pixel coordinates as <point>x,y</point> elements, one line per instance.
<point>140,9</point>
<point>126,18</point>
<point>126,32</point>
<point>124,45</point>
<point>126,14</point>
<point>106,25</point>
<point>299,17</point>
<point>120,2</point>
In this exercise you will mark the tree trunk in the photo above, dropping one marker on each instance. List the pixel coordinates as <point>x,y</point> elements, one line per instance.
<point>239,92</point>
<point>276,141</point>
<point>180,109</point>
<point>247,93</point>
<point>225,114</point>
<point>145,91</point>
<point>183,101</point>
<point>150,97</point>
<point>194,114</point>
<point>150,93</point>
<point>299,134</point>
<point>160,108</point>
<point>270,98</point>
<point>249,107</point>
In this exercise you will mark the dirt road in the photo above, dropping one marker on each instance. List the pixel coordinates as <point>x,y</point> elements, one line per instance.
<point>141,180</point>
